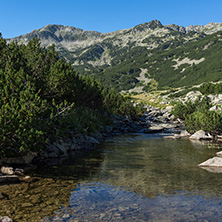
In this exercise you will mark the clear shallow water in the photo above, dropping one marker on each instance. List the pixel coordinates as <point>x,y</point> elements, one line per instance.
<point>129,178</point>
<point>143,178</point>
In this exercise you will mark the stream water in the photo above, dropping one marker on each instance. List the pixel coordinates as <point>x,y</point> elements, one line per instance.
<point>128,178</point>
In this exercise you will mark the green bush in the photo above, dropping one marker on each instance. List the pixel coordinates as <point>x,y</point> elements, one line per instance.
<point>43,99</point>
<point>197,116</point>
<point>209,121</point>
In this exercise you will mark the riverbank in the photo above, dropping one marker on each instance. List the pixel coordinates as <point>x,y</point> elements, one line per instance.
<point>154,120</point>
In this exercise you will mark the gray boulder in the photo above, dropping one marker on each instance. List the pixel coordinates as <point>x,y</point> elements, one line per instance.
<point>182,134</point>
<point>201,135</point>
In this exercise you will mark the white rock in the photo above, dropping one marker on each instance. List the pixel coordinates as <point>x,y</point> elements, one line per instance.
<point>212,162</point>
<point>5,219</point>
<point>219,154</point>
<point>215,108</point>
<point>216,99</point>
<point>193,95</point>
<point>184,133</point>
<point>201,135</point>
<point>7,170</point>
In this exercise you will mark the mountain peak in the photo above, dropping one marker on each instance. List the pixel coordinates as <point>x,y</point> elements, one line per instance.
<point>154,24</point>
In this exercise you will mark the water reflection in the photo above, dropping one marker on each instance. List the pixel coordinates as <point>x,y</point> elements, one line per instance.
<point>128,178</point>
<point>101,202</point>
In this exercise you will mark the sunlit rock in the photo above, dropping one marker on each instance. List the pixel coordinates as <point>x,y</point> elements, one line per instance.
<point>212,162</point>
<point>201,135</point>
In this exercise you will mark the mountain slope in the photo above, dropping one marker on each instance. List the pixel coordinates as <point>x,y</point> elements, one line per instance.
<point>146,56</point>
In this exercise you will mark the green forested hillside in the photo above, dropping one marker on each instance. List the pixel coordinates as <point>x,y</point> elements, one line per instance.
<point>160,63</point>
<point>140,57</point>
<point>44,99</point>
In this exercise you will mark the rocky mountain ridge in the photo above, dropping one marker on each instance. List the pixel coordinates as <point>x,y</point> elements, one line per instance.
<point>119,58</point>
<point>73,38</point>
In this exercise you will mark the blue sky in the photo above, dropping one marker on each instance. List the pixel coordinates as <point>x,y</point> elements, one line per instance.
<point>22,16</point>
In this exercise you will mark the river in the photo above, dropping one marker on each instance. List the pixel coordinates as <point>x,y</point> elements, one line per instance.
<point>136,177</point>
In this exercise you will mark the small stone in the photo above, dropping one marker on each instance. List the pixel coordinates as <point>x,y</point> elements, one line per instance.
<point>7,170</point>
<point>5,219</point>
<point>19,171</point>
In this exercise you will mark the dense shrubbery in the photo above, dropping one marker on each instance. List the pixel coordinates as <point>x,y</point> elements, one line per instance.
<point>43,98</point>
<point>197,116</point>
<point>210,88</point>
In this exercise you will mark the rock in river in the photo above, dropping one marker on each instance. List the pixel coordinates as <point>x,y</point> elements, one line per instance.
<point>201,135</point>
<point>212,162</point>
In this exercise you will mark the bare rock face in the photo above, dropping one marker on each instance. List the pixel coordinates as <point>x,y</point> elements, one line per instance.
<point>216,99</point>
<point>212,162</point>
<point>201,135</point>
<point>193,95</point>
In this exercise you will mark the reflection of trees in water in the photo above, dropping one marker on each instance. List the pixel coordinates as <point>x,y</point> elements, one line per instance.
<point>156,166</point>
<point>35,200</point>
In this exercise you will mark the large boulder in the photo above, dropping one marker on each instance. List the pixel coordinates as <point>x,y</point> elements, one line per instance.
<point>212,162</point>
<point>201,135</point>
